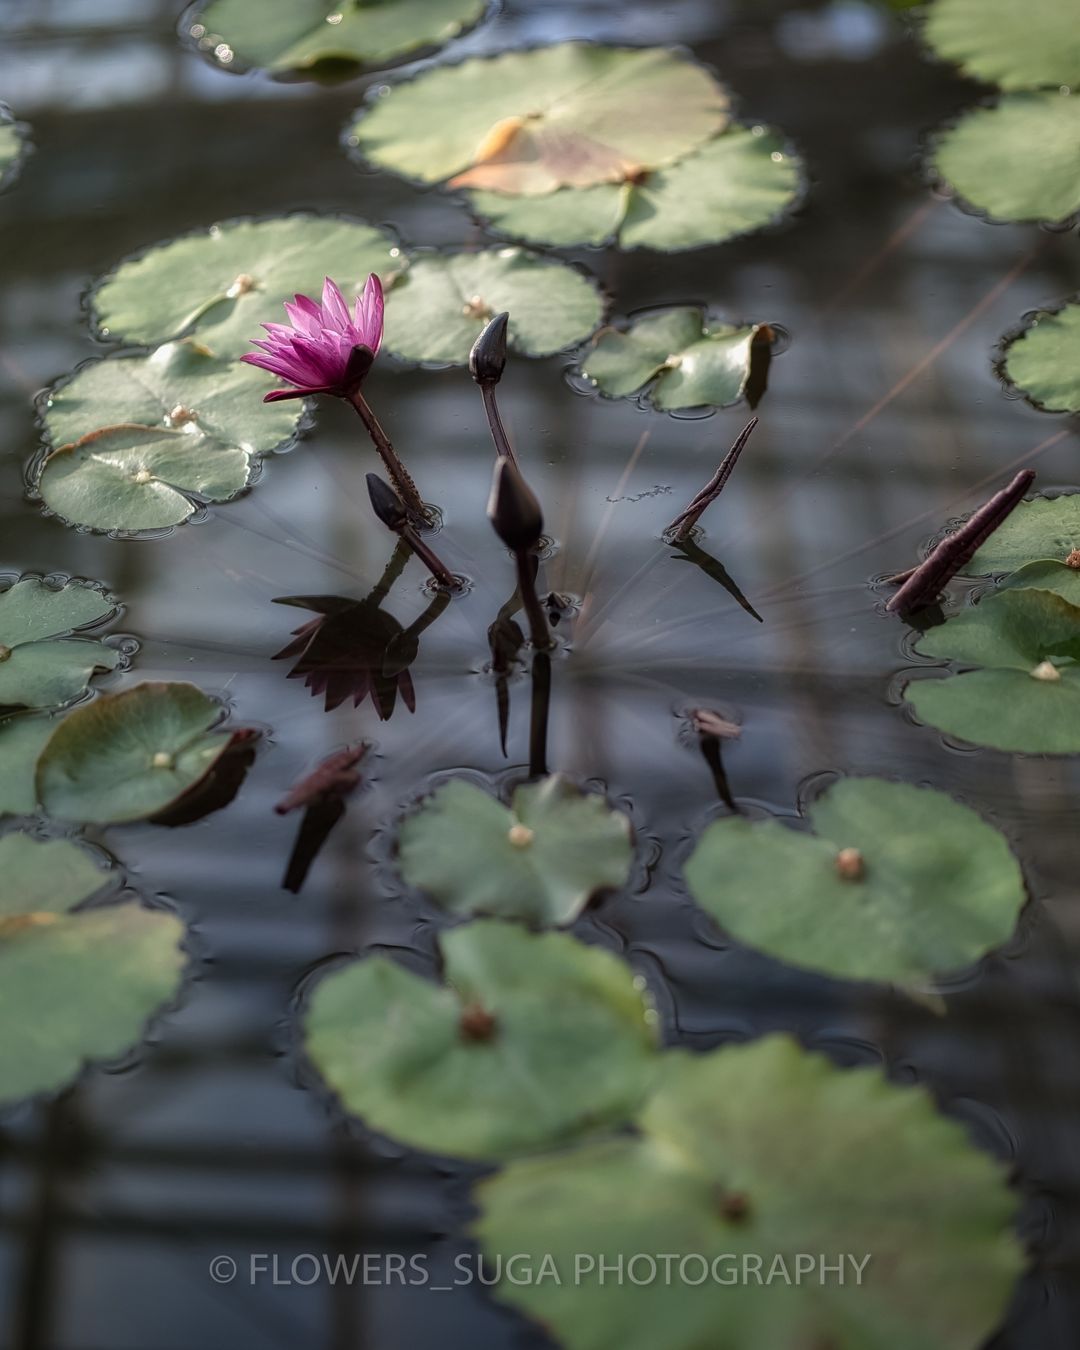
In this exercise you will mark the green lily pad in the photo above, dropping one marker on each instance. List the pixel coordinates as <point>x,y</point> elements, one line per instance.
<point>1043,362</point>
<point>538,860</point>
<point>527,122</point>
<point>178,387</point>
<point>761,1153</point>
<point>1003,709</point>
<point>12,149</point>
<point>693,363</point>
<point>738,182</point>
<point>1016,160</point>
<point>316,38</point>
<point>442,304</point>
<point>73,985</point>
<point>1031,46</point>
<point>929,888</point>
<point>1028,697</point>
<point>1047,574</point>
<point>131,755</point>
<point>131,478</point>
<point>534,1039</point>
<point>22,739</point>
<point>40,664</point>
<point>223,283</point>
<point>1039,528</point>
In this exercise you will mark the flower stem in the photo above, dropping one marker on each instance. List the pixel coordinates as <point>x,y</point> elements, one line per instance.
<point>680,527</point>
<point>534,611</point>
<point>495,422</point>
<point>400,476</point>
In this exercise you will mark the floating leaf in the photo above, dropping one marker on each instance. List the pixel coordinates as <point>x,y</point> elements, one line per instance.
<point>1027,700</point>
<point>1043,362</point>
<point>1016,160</point>
<point>12,148</point>
<point>533,1039</point>
<point>1015,627</point>
<point>1004,709</point>
<point>139,478</point>
<point>129,756</point>
<point>537,861</point>
<point>1047,575</point>
<point>40,666</point>
<point>694,364</point>
<point>176,388</point>
<point>443,303</point>
<point>311,37</point>
<point>72,985</point>
<point>22,739</point>
<point>1031,46</point>
<point>737,182</point>
<point>1042,527</point>
<point>896,883</point>
<point>571,114</point>
<point>763,1154</point>
<point>224,282</point>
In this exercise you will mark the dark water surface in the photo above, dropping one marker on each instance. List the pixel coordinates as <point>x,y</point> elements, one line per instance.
<point>884,418</point>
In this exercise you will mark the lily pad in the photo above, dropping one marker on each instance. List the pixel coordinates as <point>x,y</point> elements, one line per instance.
<point>73,985</point>
<point>874,1178</point>
<point>533,1039</point>
<point>178,387</point>
<point>42,663</point>
<point>1043,362</point>
<point>315,38</point>
<point>1016,160</point>
<point>1039,528</point>
<point>131,755</point>
<point>22,739</point>
<point>693,363</point>
<point>572,114</point>
<point>1031,46</point>
<point>1047,575</point>
<point>896,883</point>
<point>131,478</point>
<point>12,148</point>
<point>738,182</point>
<point>443,303</point>
<point>223,283</point>
<point>1028,697</point>
<point>538,860</point>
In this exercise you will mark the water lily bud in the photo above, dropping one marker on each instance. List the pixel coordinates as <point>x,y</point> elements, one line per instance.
<point>386,504</point>
<point>512,507</point>
<point>487,360</point>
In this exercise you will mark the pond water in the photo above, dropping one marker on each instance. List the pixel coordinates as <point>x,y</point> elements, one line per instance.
<point>883,419</point>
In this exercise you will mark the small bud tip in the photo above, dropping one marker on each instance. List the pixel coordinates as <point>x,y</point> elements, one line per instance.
<point>850,865</point>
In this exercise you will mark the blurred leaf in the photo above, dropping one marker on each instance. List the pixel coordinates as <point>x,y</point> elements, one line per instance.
<point>1043,362</point>
<point>139,478</point>
<point>528,121</point>
<point>12,148</point>
<point>538,861</point>
<point>1016,160</point>
<point>307,36</point>
<point>1035,45</point>
<point>176,388</point>
<point>131,755</point>
<point>738,182</point>
<point>694,364</point>
<point>532,1040</point>
<point>22,739</point>
<point>442,304</point>
<point>39,665</point>
<point>765,1152</point>
<point>939,887</point>
<point>72,985</point>
<point>223,283</point>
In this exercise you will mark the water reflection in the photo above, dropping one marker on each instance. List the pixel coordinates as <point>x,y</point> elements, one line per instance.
<point>355,648</point>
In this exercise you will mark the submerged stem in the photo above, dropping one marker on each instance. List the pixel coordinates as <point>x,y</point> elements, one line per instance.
<point>400,476</point>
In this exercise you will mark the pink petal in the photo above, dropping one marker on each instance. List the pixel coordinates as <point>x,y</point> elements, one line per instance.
<point>334,306</point>
<point>369,313</point>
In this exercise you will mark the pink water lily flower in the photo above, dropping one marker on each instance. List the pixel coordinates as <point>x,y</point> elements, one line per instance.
<point>323,349</point>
